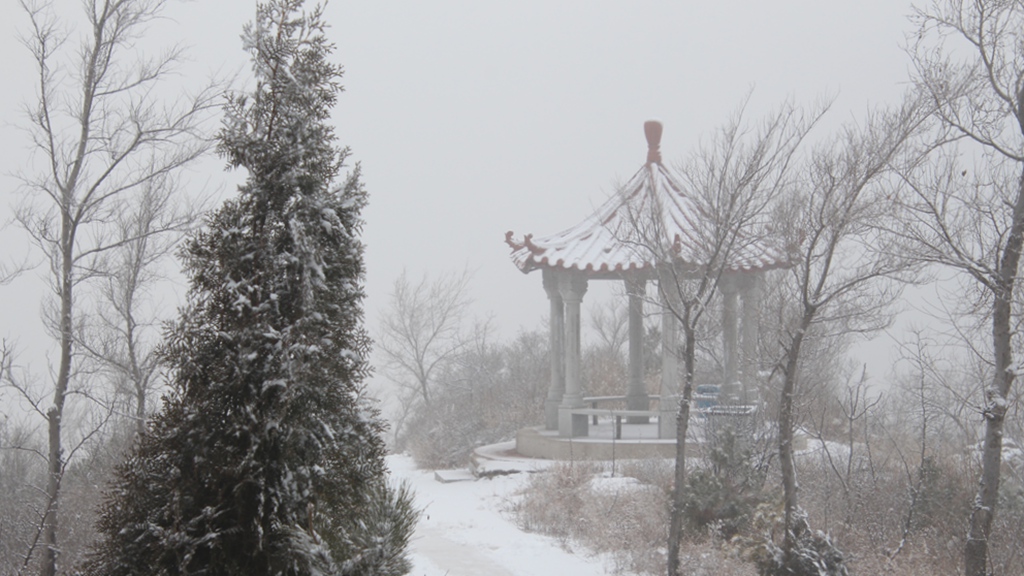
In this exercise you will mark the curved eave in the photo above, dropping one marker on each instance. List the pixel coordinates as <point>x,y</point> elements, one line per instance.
<point>599,246</point>
<point>527,260</point>
<point>527,263</point>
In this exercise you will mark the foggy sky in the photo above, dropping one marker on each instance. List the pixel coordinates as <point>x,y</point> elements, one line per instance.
<point>471,118</point>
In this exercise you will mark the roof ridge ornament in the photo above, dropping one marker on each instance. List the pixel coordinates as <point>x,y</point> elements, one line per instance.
<point>652,130</point>
<point>511,241</point>
<point>533,248</point>
<point>597,247</point>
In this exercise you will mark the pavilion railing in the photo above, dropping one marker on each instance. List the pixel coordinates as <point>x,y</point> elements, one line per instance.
<point>706,404</point>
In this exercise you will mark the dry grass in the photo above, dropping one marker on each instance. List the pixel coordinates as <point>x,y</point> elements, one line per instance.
<point>624,517</point>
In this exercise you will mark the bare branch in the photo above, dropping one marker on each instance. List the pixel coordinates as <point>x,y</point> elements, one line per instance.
<point>107,139</point>
<point>973,220</point>
<point>422,329</point>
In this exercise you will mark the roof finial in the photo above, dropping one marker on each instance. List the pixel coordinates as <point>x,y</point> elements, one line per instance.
<point>652,129</point>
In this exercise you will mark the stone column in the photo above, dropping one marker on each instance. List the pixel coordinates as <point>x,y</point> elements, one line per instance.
<point>556,332</point>
<point>669,404</point>
<point>730,360</point>
<point>636,396</point>
<point>572,288</point>
<point>751,327</point>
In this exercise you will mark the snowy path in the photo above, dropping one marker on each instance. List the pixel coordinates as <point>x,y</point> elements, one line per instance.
<point>464,532</point>
<point>447,557</point>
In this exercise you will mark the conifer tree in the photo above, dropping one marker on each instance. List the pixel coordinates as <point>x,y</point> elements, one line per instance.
<point>266,458</point>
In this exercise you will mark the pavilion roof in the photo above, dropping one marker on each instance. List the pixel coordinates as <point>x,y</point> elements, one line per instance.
<point>650,220</point>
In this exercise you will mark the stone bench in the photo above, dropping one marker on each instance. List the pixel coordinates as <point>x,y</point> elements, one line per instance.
<point>616,414</point>
<point>729,410</point>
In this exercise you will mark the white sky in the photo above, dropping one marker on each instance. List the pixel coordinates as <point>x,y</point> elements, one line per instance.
<point>472,118</point>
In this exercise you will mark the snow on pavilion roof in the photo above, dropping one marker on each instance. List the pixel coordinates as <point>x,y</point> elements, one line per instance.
<point>650,220</point>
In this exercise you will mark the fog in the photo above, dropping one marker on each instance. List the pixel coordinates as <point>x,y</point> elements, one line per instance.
<point>470,119</point>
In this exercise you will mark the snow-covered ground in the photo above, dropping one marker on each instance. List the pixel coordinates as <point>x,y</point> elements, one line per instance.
<point>465,530</point>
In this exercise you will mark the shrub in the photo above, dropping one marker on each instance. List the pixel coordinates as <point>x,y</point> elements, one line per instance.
<point>618,516</point>
<point>489,394</point>
<point>724,495</point>
<point>942,498</point>
<point>813,553</point>
<point>551,502</point>
<point>380,546</point>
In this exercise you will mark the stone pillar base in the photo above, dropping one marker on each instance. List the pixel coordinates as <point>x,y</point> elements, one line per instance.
<point>638,402</point>
<point>551,414</point>
<point>668,411</point>
<point>572,425</point>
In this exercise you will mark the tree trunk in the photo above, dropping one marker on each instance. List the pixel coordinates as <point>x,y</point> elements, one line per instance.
<point>55,453</point>
<point>50,521</point>
<point>138,376</point>
<point>976,549</point>
<point>983,511</point>
<point>675,532</point>
<point>789,484</point>
<point>140,411</point>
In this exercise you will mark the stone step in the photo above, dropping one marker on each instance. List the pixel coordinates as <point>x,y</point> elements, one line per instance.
<point>449,476</point>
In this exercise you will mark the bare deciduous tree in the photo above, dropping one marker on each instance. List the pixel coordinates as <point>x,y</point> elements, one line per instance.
<point>845,271</point>
<point>731,180</point>
<point>855,406</point>
<point>610,321</point>
<point>422,333</point>
<point>921,410</point>
<point>969,62</point>
<point>99,135</point>
<point>121,339</point>
<point>6,358</point>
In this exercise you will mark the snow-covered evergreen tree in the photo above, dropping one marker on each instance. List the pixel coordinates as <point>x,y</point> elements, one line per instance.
<point>266,459</point>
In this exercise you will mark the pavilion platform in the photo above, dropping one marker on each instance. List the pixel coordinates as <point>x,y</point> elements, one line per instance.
<point>609,434</point>
<point>637,441</point>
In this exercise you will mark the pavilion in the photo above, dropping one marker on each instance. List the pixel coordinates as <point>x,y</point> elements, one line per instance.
<point>650,230</point>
